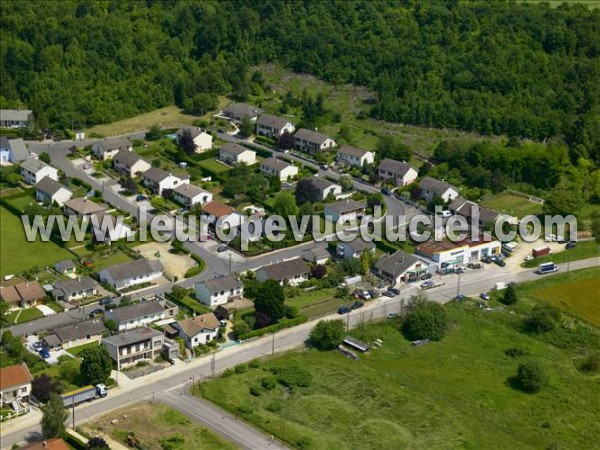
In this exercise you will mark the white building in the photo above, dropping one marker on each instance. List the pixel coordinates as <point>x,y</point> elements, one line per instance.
<point>138,315</point>
<point>234,153</point>
<point>12,151</point>
<point>189,195</point>
<point>312,142</point>
<point>430,187</point>
<point>344,210</point>
<point>158,180</point>
<point>108,228</point>
<point>292,272</point>
<point>317,255</point>
<point>140,344</point>
<point>202,139</point>
<point>15,118</point>
<point>402,173</point>
<point>277,168</point>
<point>354,248</point>
<point>400,266</point>
<point>33,171</point>
<point>74,335</point>
<point>199,330</point>
<point>219,291</point>
<point>15,386</point>
<point>355,156</point>
<point>447,255</point>
<point>51,191</point>
<point>109,147</point>
<point>325,187</point>
<point>130,164</point>
<point>132,273</point>
<point>236,112</point>
<point>273,126</point>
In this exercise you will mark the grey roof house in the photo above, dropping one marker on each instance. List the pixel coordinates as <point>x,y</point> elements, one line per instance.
<point>219,290</point>
<point>237,111</point>
<point>14,118</point>
<point>66,267</point>
<point>76,334</point>
<point>400,266</point>
<point>273,126</point>
<point>129,274</point>
<point>344,210</point>
<point>293,272</point>
<point>312,141</point>
<point>354,248</point>
<point>402,173</point>
<point>109,147</point>
<point>431,187</point>
<point>51,191</point>
<point>140,314</point>
<point>13,150</point>
<point>67,291</point>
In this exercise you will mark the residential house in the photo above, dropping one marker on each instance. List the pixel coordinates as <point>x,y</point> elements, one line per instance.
<point>51,191</point>
<point>235,153</point>
<point>202,140</point>
<point>33,171</point>
<point>292,272</point>
<point>199,330</point>
<point>132,346</point>
<point>15,386</point>
<point>219,291</point>
<point>237,111</point>
<point>325,187</point>
<point>273,126</point>
<point>274,167</point>
<point>47,444</point>
<point>138,315</point>
<point>467,209</point>
<point>109,147</point>
<point>82,207</point>
<point>317,255</point>
<point>354,248</point>
<point>12,150</point>
<point>189,195</point>
<point>108,228</point>
<point>74,335</point>
<point>344,210</point>
<point>140,271</point>
<point>70,290</point>
<point>400,266</point>
<point>15,118</point>
<point>221,215</point>
<point>402,173</point>
<point>158,180</point>
<point>66,267</point>
<point>355,156</point>
<point>312,142</point>
<point>430,187</point>
<point>23,295</point>
<point>130,163</point>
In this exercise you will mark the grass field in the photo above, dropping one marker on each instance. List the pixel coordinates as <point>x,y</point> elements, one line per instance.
<point>26,315</point>
<point>158,427</point>
<point>213,166</point>
<point>115,258</point>
<point>18,254</point>
<point>513,204</point>
<point>75,351</point>
<point>584,250</point>
<point>591,4</point>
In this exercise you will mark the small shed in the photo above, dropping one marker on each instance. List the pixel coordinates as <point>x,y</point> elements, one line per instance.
<point>356,343</point>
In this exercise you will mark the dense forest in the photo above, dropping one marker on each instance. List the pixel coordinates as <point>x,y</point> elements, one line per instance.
<point>494,67</point>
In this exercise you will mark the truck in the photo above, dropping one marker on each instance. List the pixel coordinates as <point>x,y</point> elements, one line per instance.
<point>84,394</point>
<point>500,285</point>
<point>548,267</point>
<point>540,251</point>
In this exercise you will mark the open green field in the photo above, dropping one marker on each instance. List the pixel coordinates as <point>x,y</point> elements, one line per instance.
<point>24,315</point>
<point>512,204</point>
<point>452,394</point>
<point>213,166</point>
<point>115,258</point>
<point>591,4</point>
<point>18,254</point>
<point>584,250</point>
<point>158,427</point>
<point>75,351</point>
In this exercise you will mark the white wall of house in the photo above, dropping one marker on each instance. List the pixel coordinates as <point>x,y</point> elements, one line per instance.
<point>105,277</point>
<point>214,299</point>
<point>138,322</point>
<point>274,132</point>
<point>203,141</point>
<point>293,281</point>
<point>248,157</point>
<point>82,341</point>
<point>15,393</point>
<point>204,197</point>
<point>203,337</point>
<point>334,189</point>
<point>140,166</point>
<point>367,158</point>
<point>60,197</point>
<point>36,177</point>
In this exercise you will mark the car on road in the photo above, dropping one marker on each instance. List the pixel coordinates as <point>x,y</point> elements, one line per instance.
<point>570,245</point>
<point>44,353</point>
<point>484,296</point>
<point>427,285</point>
<point>460,297</point>
<point>373,293</point>
<point>391,315</point>
<point>386,191</point>
<point>500,262</point>
<point>389,294</point>
<point>487,259</point>
<point>343,310</point>
<point>356,305</point>
<point>140,198</point>
<point>96,312</point>
<point>105,300</point>
<point>395,291</point>
<point>426,276</point>
<point>222,248</point>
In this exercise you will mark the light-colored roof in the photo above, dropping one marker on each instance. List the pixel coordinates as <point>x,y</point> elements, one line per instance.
<point>132,336</point>
<point>49,186</point>
<point>396,167</point>
<point>73,286</point>
<point>16,375</point>
<point>397,263</point>
<point>141,309</point>
<point>217,209</point>
<point>191,327</point>
<point>222,283</point>
<point>436,186</point>
<point>353,151</point>
<point>34,165</point>
<point>235,149</point>
<point>137,268</point>
<point>311,136</point>
<point>82,205</point>
<point>155,174</point>
<point>344,206</point>
<point>18,149</point>
<point>80,330</point>
<point>275,164</point>
<point>285,269</point>
<point>268,120</point>
<point>241,110</point>
<point>15,114</point>
<point>189,190</point>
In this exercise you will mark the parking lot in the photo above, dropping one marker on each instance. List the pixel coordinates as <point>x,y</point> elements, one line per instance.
<point>34,345</point>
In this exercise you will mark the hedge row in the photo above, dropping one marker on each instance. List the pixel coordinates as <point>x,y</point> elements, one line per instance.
<point>283,323</point>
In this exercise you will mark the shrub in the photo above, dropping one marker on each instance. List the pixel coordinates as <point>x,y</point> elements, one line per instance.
<point>240,368</point>
<point>543,317</point>
<point>531,377</point>
<point>292,375</point>
<point>268,383</point>
<point>254,364</point>
<point>590,364</point>
<point>240,328</point>
<point>515,352</point>
<point>256,391</point>
<point>173,442</point>
<point>510,296</point>
<point>245,409</point>
<point>327,334</point>
<point>227,373</point>
<point>427,320</point>
<point>274,406</point>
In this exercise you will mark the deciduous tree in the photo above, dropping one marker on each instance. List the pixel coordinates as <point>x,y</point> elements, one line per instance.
<point>327,334</point>
<point>96,364</point>
<point>54,416</point>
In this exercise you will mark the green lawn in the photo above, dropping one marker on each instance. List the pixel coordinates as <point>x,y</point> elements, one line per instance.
<point>75,351</point>
<point>451,394</point>
<point>26,315</point>
<point>115,258</point>
<point>310,297</point>
<point>18,254</point>
<point>213,166</point>
<point>584,250</point>
<point>512,204</point>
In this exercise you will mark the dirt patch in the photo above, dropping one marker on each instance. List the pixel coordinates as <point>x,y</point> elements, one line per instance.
<point>518,256</point>
<point>175,264</point>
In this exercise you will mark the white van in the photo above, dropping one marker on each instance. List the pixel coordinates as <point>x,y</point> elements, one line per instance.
<point>499,286</point>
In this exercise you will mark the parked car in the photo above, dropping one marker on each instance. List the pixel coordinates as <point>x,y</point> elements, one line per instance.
<point>324,167</point>
<point>392,315</point>
<point>373,293</point>
<point>561,239</point>
<point>105,300</point>
<point>357,305</point>
<point>460,297</point>
<point>395,291</point>
<point>528,258</point>
<point>140,198</point>
<point>427,285</point>
<point>389,294</point>
<point>96,312</point>
<point>500,262</point>
<point>44,353</point>
<point>446,213</point>
<point>386,191</point>
<point>484,296</point>
<point>426,276</point>
<point>222,248</point>
<point>343,310</point>
<point>486,259</point>
<point>570,245</point>
<point>37,346</point>
<point>459,270</point>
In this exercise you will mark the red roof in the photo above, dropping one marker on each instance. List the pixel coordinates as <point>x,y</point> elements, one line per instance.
<point>217,209</point>
<point>16,375</point>
<point>49,444</point>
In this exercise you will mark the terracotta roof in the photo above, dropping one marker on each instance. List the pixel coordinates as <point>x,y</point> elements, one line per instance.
<point>16,375</point>
<point>195,325</point>
<point>9,294</point>
<point>30,290</point>
<point>217,209</point>
<point>49,444</point>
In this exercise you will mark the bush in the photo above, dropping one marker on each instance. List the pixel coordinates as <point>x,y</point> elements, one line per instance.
<point>590,364</point>
<point>268,383</point>
<point>426,321</point>
<point>531,377</point>
<point>227,373</point>
<point>240,328</point>
<point>515,352</point>
<point>283,323</point>
<point>274,406</point>
<point>254,364</point>
<point>192,272</point>
<point>292,375</point>
<point>256,391</point>
<point>240,368</point>
<point>328,334</point>
<point>510,296</point>
<point>543,317</point>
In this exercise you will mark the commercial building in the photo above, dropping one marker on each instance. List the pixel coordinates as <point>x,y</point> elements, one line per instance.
<point>448,255</point>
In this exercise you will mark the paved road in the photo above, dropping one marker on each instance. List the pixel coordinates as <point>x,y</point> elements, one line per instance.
<point>168,384</point>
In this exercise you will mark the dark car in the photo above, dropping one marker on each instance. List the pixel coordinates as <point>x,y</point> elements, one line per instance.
<point>426,276</point>
<point>357,305</point>
<point>389,294</point>
<point>140,198</point>
<point>460,297</point>
<point>484,296</point>
<point>386,191</point>
<point>343,310</point>
<point>486,259</point>
<point>96,312</point>
<point>44,353</point>
<point>105,300</point>
<point>500,262</point>
<point>395,291</point>
<point>570,245</point>
<point>373,293</point>
<point>222,248</point>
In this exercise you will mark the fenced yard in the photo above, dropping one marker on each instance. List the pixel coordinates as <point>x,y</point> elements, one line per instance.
<point>513,204</point>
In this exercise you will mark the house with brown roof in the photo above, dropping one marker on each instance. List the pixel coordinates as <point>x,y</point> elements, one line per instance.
<point>312,141</point>
<point>221,215</point>
<point>292,272</point>
<point>402,173</point>
<point>23,295</point>
<point>15,386</point>
<point>198,330</point>
<point>82,207</point>
<point>48,444</point>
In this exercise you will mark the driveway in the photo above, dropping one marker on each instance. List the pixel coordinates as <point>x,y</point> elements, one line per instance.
<point>46,310</point>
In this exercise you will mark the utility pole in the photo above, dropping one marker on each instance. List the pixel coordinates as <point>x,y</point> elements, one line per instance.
<point>348,320</point>
<point>458,286</point>
<point>213,365</point>
<point>73,408</point>
<point>229,263</point>
<point>273,345</point>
